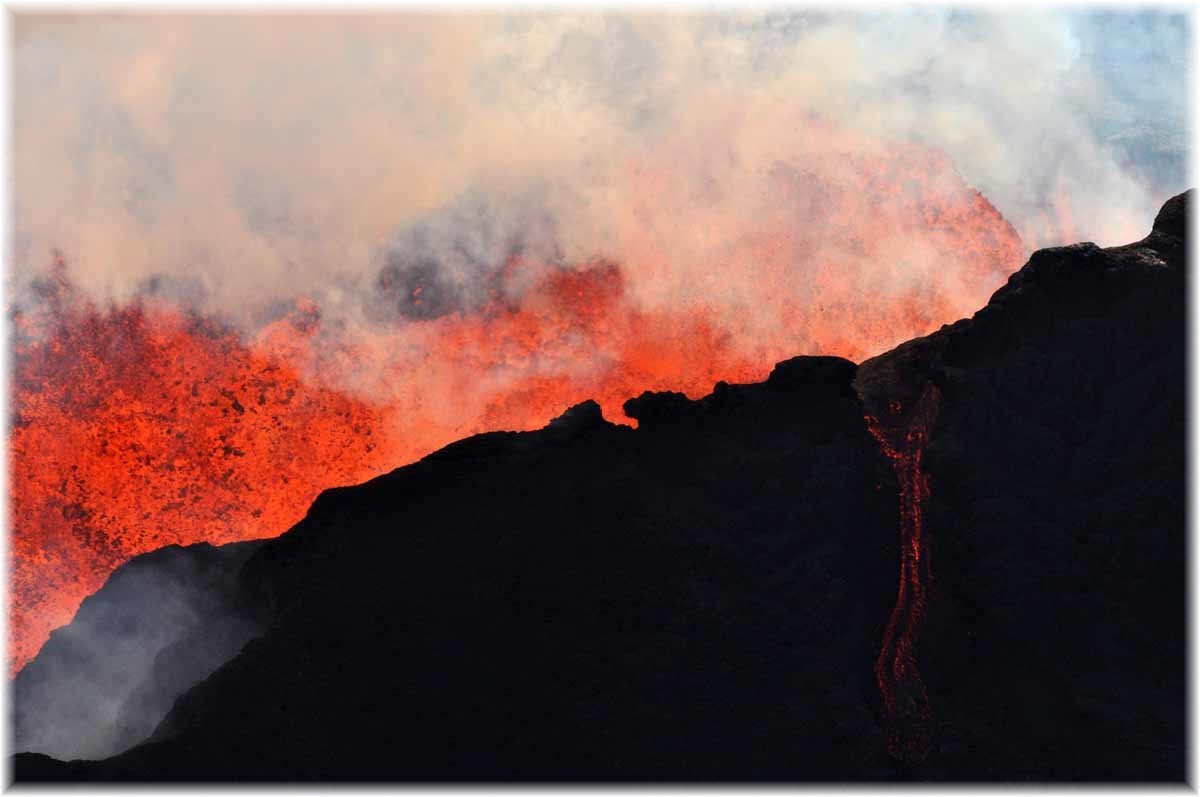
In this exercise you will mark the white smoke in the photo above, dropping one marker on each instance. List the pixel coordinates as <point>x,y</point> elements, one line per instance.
<point>254,159</point>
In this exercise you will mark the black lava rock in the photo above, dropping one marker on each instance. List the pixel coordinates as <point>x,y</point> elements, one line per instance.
<point>703,597</point>
<point>588,601</point>
<point>1055,643</point>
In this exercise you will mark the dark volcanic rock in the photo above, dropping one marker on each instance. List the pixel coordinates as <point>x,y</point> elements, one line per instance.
<point>703,597</point>
<point>1056,635</point>
<point>160,624</point>
<point>700,599</point>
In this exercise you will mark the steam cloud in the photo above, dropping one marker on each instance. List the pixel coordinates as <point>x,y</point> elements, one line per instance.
<point>244,161</point>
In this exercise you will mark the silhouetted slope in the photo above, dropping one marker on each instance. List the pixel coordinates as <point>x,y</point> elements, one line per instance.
<point>704,597</point>
<point>697,598</point>
<point>1055,646</point>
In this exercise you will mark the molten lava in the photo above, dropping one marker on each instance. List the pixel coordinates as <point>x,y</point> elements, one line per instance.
<point>147,423</point>
<point>143,426</point>
<point>903,435</point>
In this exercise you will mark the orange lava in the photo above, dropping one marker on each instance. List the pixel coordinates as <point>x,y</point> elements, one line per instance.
<point>903,436</point>
<point>144,424</point>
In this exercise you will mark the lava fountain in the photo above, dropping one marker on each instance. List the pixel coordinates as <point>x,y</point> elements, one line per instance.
<point>142,423</point>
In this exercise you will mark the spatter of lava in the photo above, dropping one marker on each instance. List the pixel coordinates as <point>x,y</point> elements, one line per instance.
<point>142,426</point>
<point>145,424</point>
<point>903,434</point>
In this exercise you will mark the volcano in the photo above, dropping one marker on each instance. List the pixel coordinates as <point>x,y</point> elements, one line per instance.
<point>961,560</point>
<point>228,432</point>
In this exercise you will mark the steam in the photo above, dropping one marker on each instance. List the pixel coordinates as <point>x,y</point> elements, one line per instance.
<point>258,159</point>
<point>161,624</point>
<point>446,262</point>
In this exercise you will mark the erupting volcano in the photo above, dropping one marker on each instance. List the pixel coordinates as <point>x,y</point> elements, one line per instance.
<point>145,423</point>
<point>598,397</point>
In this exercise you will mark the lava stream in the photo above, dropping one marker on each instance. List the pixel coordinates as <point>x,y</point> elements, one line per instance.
<point>903,436</point>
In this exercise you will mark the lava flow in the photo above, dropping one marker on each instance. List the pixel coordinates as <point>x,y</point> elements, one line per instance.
<point>903,435</point>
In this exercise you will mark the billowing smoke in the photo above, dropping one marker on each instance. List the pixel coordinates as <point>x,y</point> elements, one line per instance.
<point>451,261</point>
<point>298,251</point>
<point>259,158</point>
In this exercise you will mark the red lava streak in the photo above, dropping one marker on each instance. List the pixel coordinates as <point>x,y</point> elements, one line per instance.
<point>903,435</point>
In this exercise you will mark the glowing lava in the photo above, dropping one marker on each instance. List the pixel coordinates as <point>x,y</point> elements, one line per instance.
<point>146,424</point>
<point>143,426</point>
<point>903,435</point>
